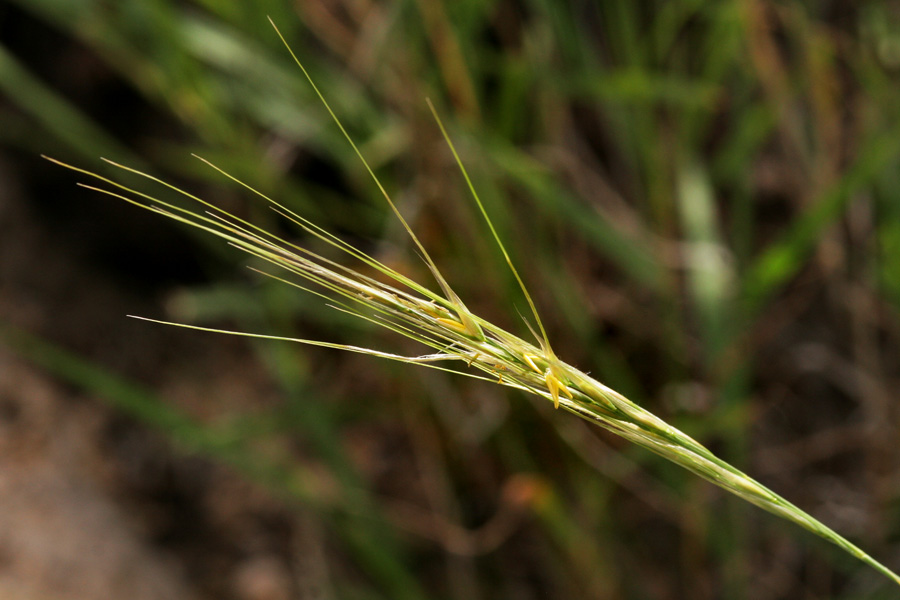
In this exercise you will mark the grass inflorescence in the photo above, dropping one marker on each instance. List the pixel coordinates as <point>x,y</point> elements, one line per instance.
<point>441,321</point>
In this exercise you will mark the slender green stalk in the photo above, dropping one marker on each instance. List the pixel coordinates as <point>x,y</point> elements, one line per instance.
<point>453,333</point>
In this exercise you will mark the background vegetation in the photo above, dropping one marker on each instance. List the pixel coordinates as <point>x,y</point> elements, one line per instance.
<point>703,195</point>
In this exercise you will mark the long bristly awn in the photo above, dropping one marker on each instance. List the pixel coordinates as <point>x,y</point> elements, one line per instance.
<point>443,323</point>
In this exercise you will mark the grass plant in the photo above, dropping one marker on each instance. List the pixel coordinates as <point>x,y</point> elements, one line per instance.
<point>442,322</point>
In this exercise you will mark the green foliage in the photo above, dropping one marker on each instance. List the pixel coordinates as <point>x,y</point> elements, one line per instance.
<point>630,154</point>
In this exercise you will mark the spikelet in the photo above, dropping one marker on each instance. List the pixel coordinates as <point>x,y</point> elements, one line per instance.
<point>443,323</point>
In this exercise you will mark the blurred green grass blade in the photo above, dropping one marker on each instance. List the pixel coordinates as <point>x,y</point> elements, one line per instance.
<point>743,141</point>
<point>372,541</point>
<point>253,15</point>
<point>635,85</point>
<point>354,526</point>
<point>710,276</point>
<point>784,259</point>
<point>632,256</point>
<point>512,100</point>
<point>264,86</point>
<point>145,42</point>
<point>255,84</point>
<point>398,576</point>
<point>623,21</point>
<point>124,395</point>
<point>56,115</point>
<point>232,302</point>
<point>670,21</point>
<point>888,235</point>
<point>567,34</point>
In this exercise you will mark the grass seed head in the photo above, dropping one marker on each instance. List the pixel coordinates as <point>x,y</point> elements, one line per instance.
<point>446,327</point>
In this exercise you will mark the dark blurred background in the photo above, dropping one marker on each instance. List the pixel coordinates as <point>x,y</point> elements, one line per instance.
<point>704,197</point>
